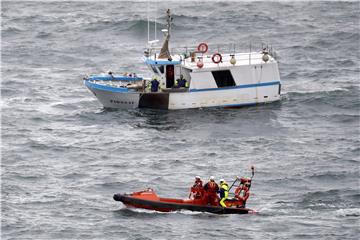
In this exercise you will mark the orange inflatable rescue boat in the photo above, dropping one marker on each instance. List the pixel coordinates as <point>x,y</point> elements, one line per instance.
<point>199,200</point>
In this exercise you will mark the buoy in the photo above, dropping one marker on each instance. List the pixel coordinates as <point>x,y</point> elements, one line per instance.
<point>233,60</point>
<point>216,58</point>
<point>202,48</point>
<point>199,64</point>
<point>265,57</point>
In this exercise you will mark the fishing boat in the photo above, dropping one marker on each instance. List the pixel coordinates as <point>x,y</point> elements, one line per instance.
<point>192,77</point>
<point>198,200</point>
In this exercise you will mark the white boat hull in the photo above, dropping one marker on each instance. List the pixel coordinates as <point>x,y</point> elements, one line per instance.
<point>231,97</point>
<point>117,100</point>
<point>236,97</point>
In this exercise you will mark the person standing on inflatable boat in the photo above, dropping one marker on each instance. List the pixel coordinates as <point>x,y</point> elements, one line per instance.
<point>243,191</point>
<point>211,188</point>
<point>196,191</point>
<point>224,192</point>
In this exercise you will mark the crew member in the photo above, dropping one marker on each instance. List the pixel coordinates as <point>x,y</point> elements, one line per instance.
<point>181,82</point>
<point>196,191</point>
<point>154,84</point>
<point>211,189</point>
<point>242,193</point>
<point>224,192</point>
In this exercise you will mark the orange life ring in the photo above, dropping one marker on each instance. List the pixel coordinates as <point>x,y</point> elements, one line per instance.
<point>218,56</point>
<point>202,48</point>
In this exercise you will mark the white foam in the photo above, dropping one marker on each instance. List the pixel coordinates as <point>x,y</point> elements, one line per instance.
<point>305,91</point>
<point>348,212</point>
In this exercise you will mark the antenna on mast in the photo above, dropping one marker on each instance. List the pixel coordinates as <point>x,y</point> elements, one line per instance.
<point>148,22</point>
<point>150,43</point>
<point>168,20</point>
<point>155,19</point>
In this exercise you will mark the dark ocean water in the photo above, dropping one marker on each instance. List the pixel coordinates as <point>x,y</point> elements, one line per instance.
<point>64,156</point>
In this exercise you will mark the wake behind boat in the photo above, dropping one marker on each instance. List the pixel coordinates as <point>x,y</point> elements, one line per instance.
<point>192,77</point>
<point>201,198</point>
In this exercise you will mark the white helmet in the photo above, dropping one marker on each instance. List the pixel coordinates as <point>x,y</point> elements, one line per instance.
<point>197,177</point>
<point>212,178</point>
<point>222,180</point>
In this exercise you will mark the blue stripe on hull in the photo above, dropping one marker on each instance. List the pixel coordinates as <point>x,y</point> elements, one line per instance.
<point>250,104</point>
<point>125,90</point>
<point>236,87</point>
<point>239,105</point>
<point>115,78</point>
<point>105,88</point>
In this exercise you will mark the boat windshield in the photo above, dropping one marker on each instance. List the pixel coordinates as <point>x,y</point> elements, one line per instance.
<point>155,70</point>
<point>161,68</point>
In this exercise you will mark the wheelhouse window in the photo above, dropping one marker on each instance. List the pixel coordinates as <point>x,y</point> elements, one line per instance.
<point>223,78</point>
<point>153,67</point>
<point>161,68</point>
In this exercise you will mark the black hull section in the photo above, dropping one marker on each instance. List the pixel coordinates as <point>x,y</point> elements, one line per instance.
<point>156,100</point>
<point>168,206</point>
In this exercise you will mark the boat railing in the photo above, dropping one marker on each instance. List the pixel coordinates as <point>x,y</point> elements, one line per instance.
<point>233,48</point>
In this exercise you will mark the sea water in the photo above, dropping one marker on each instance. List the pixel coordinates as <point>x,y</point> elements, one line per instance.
<point>64,156</point>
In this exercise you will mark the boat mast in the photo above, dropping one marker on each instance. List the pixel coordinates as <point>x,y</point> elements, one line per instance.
<point>168,21</point>
<point>155,19</point>
<point>165,53</point>
<point>148,22</point>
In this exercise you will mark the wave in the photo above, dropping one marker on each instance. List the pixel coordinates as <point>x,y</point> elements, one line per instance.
<point>334,176</point>
<point>345,63</point>
<point>339,39</point>
<point>102,24</point>
<point>321,90</point>
<point>327,97</point>
<point>318,94</point>
<point>75,175</point>
<point>8,93</point>
<point>348,212</point>
<point>129,211</point>
<point>136,26</point>
<point>43,35</point>
<point>142,25</point>
<point>328,199</point>
<point>316,91</point>
<point>11,30</point>
<point>348,36</point>
<point>184,18</point>
<point>301,48</point>
<point>139,213</point>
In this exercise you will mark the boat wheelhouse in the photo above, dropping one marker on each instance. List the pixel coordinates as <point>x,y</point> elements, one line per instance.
<point>213,78</point>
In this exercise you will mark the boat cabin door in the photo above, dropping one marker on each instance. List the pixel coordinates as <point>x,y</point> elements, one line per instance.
<point>170,76</point>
